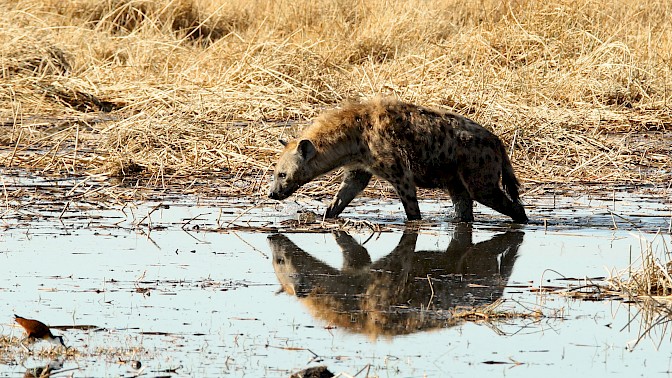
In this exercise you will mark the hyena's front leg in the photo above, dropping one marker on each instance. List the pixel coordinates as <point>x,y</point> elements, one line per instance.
<point>354,182</point>
<point>406,191</point>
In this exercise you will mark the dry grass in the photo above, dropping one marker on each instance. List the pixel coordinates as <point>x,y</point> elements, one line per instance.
<point>649,285</point>
<point>42,352</point>
<point>652,278</point>
<point>169,90</point>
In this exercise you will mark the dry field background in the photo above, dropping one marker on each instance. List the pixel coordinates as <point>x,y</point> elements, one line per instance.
<point>173,92</point>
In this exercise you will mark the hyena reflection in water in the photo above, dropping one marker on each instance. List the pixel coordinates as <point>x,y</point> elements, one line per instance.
<point>391,296</point>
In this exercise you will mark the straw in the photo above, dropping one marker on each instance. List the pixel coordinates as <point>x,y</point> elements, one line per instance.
<point>165,91</point>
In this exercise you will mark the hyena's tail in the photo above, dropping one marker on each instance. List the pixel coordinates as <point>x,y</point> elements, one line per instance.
<point>509,180</point>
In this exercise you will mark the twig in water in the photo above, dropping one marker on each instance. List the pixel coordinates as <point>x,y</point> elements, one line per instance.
<point>64,209</point>
<point>251,246</point>
<point>258,204</point>
<point>150,213</point>
<point>431,287</point>
<point>191,219</point>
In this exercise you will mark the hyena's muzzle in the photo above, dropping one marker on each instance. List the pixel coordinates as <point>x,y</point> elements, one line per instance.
<point>279,193</point>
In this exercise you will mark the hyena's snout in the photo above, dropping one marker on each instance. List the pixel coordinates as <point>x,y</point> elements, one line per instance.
<point>278,193</point>
<point>275,195</point>
<point>274,191</point>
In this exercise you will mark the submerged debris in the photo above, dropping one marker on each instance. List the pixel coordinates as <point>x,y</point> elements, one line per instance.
<point>492,312</point>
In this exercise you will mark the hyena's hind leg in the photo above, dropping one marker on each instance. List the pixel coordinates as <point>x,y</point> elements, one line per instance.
<point>494,198</point>
<point>354,182</point>
<point>497,200</point>
<point>483,185</point>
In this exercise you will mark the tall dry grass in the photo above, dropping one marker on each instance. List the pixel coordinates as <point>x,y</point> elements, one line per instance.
<point>163,90</point>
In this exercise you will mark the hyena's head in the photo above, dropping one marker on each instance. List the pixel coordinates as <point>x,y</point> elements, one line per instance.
<point>293,168</point>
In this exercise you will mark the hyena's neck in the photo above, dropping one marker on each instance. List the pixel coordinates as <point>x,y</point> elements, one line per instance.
<point>338,152</point>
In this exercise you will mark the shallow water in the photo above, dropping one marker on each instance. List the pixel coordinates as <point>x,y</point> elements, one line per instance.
<point>179,287</point>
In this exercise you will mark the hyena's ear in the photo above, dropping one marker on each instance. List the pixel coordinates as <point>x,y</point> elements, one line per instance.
<point>307,149</point>
<point>283,142</point>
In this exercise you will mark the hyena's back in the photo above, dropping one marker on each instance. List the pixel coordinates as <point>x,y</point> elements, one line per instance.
<point>443,150</point>
<point>432,144</point>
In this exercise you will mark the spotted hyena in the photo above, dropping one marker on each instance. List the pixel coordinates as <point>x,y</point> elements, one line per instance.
<point>410,146</point>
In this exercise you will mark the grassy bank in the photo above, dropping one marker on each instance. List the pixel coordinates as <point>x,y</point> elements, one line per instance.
<point>166,90</point>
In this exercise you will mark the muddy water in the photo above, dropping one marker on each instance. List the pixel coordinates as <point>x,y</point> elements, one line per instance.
<point>176,286</point>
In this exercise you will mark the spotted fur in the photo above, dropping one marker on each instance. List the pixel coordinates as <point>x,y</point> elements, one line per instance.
<point>407,145</point>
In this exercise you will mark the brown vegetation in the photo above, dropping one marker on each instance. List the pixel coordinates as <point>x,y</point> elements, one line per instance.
<point>648,284</point>
<point>165,90</point>
<point>650,277</point>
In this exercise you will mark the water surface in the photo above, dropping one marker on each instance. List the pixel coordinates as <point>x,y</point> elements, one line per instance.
<point>193,287</point>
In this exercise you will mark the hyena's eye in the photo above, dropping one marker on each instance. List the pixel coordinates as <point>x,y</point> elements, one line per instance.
<point>282,175</point>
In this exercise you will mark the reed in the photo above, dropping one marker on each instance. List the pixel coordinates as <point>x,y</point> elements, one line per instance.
<point>650,277</point>
<point>168,90</point>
